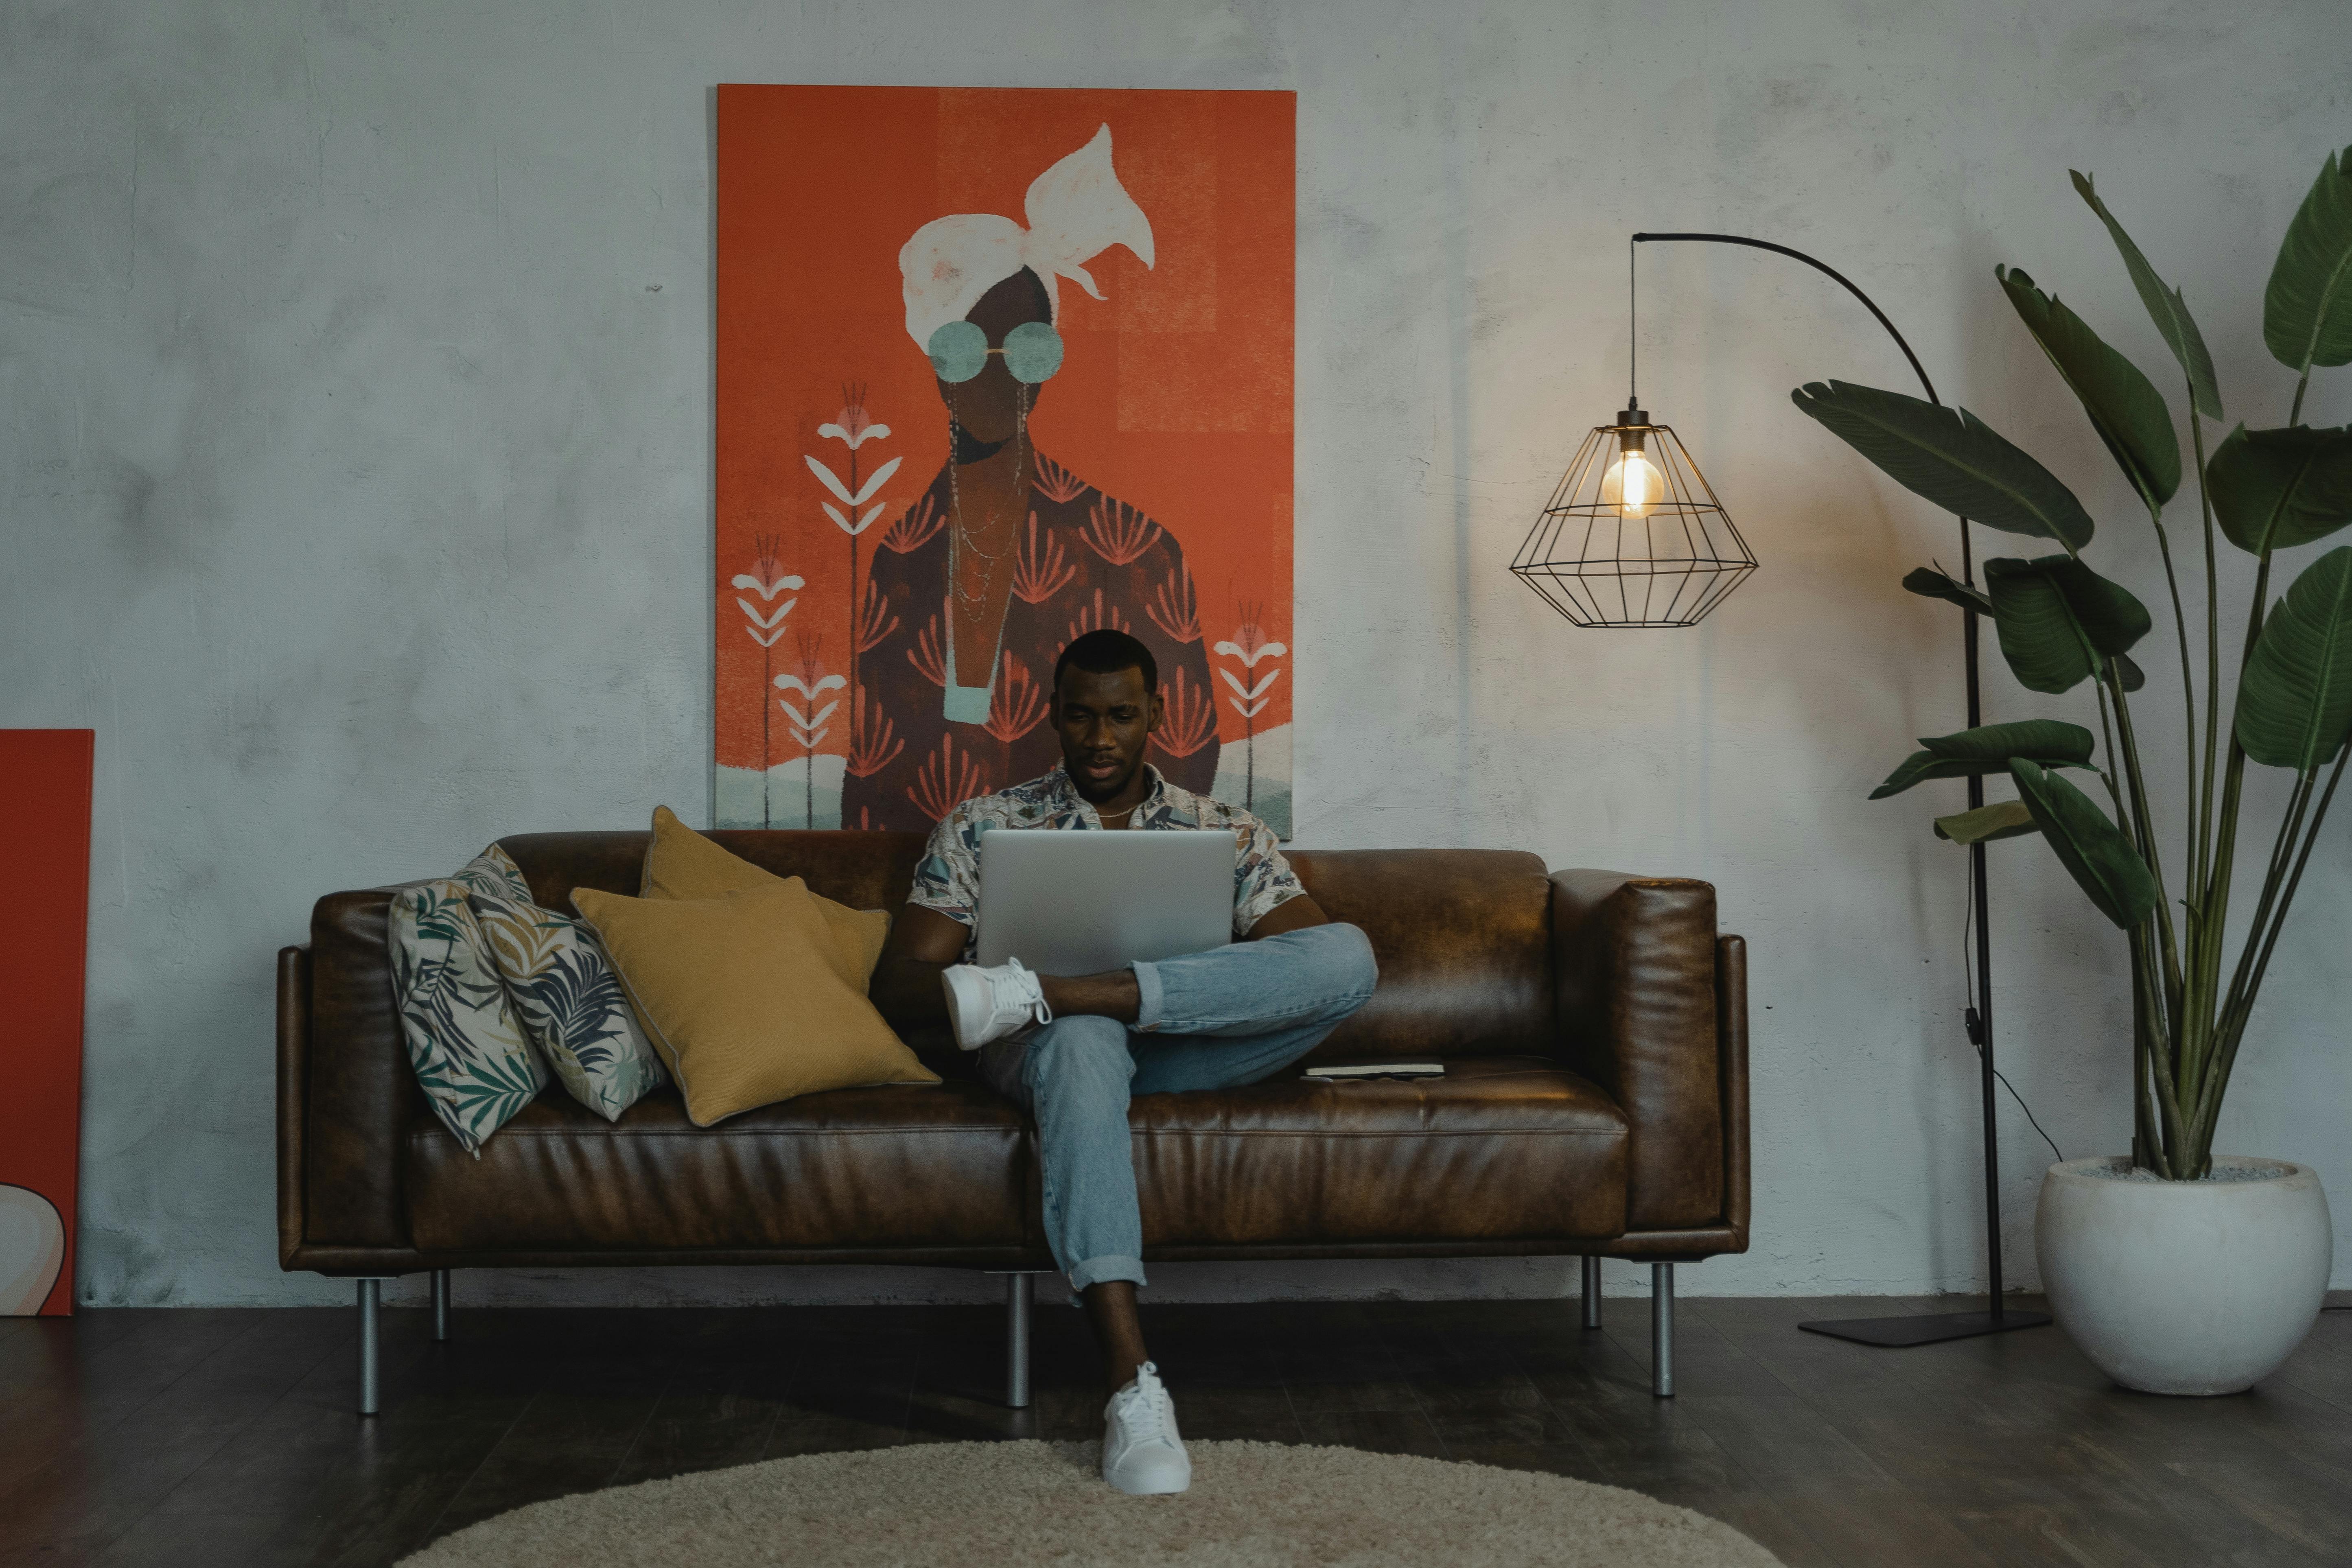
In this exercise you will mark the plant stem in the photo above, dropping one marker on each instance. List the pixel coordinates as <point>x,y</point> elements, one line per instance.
<point>2107,737</point>
<point>2147,989</point>
<point>2302,382</point>
<point>2204,852</point>
<point>2146,819</point>
<point>2283,849</point>
<point>2188,678</point>
<point>2226,1058</point>
<point>2214,904</point>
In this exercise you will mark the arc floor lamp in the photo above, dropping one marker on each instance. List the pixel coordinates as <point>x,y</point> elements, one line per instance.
<point>1634,536</point>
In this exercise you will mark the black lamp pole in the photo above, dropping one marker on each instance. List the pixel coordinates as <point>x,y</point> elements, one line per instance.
<point>1921,1329</point>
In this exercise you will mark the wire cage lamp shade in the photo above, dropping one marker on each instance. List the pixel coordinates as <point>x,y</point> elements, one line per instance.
<point>1633,536</point>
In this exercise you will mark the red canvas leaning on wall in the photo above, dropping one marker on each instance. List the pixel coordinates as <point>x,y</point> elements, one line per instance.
<point>45,776</point>
<point>1147,457</point>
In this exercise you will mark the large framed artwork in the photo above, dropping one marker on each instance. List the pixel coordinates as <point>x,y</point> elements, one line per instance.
<point>996,367</point>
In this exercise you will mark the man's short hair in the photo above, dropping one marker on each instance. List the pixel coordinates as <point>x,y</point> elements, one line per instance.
<point>1107,652</point>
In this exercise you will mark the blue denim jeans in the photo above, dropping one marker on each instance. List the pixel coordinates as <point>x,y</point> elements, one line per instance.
<point>1209,1020</point>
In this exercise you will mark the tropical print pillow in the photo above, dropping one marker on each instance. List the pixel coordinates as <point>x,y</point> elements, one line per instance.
<point>494,872</point>
<point>572,1003</point>
<point>464,1039</point>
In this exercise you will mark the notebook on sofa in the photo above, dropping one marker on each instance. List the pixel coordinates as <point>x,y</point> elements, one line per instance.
<point>1343,1071</point>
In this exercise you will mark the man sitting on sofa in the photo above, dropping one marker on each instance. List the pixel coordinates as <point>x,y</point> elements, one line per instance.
<point>1070,1050</point>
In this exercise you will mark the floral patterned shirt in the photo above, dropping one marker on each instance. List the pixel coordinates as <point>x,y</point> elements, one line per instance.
<point>948,880</point>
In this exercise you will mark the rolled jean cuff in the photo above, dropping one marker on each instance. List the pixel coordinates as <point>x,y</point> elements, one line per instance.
<point>1148,995</point>
<point>1095,1271</point>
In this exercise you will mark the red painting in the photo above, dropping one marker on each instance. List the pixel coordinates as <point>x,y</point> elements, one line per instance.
<point>996,367</point>
<point>45,778</point>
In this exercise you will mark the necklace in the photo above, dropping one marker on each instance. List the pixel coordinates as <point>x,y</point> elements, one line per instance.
<point>960,540</point>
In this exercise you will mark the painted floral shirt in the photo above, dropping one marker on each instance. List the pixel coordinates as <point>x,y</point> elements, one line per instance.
<point>1084,560</point>
<point>948,880</point>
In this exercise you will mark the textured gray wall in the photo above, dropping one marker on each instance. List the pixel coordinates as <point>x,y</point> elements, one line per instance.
<point>355,431</point>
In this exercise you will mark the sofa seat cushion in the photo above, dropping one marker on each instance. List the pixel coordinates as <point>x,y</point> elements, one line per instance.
<point>1503,1148</point>
<point>893,1166</point>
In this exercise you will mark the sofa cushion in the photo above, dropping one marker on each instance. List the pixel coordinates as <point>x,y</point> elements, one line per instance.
<point>683,864</point>
<point>856,1168</point>
<point>1501,1149</point>
<point>1463,940</point>
<point>465,1041</point>
<point>563,989</point>
<point>744,997</point>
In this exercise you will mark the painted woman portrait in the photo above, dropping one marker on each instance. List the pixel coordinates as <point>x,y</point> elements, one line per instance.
<point>1007,554</point>
<point>996,366</point>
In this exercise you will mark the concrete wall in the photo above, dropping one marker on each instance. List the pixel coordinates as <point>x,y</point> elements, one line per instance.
<point>355,434</point>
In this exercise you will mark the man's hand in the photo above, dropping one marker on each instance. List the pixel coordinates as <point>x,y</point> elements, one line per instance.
<point>906,986</point>
<point>1291,914</point>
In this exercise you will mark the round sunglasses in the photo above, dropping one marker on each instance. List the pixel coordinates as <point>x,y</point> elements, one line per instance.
<point>959,350</point>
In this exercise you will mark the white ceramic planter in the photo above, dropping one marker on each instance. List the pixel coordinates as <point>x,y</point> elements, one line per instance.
<point>2185,1286</point>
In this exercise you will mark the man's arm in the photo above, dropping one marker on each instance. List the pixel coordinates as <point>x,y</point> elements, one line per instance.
<point>1291,914</point>
<point>906,986</point>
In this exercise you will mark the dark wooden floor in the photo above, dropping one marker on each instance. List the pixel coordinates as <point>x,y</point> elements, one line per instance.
<point>195,1437</point>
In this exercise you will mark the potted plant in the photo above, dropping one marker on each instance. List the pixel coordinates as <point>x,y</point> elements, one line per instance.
<point>2177,1270</point>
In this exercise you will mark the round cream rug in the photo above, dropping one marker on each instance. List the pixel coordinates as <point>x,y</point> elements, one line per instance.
<point>1000,1505</point>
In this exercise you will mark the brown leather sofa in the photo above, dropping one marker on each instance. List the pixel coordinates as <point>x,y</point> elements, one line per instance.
<point>1594,1028</point>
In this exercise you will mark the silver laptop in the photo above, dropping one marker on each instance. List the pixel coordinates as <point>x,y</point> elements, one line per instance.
<point>1073,901</point>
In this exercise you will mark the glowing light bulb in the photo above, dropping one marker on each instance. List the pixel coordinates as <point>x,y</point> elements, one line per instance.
<point>1633,484</point>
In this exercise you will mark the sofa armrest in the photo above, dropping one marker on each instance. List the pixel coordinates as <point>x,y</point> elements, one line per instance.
<point>1731,1032</point>
<point>1636,960</point>
<point>293,1092</point>
<point>351,1088</point>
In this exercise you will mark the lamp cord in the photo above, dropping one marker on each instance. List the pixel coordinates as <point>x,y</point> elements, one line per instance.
<point>1975,1022</point>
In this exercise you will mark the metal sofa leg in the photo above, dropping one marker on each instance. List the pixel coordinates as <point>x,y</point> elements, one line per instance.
<point>440,1305</point>
<point>1662,1329</point>
<point>1019,1291</point>
<point>1592,1292</point>
<point>371,1298</point>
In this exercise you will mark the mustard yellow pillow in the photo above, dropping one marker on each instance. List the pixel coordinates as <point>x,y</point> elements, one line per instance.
<point>743,998</point>
<point>682,864</point>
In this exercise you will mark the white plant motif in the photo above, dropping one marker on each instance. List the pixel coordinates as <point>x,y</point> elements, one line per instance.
<point>853,430</point>
<point>808,720</point>
<point>1250,697</point>
<point>853,500</point>
<point>767,578</point>
<point>772,622</point>
<point>1250,702</point>
<point>806,730</point>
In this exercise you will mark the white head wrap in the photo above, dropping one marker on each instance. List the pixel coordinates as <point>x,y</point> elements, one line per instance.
<point>1077,210</point>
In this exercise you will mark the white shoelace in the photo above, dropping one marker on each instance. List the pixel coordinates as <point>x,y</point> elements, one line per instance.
<point>1155,1418</point>
<point>1014,985</point>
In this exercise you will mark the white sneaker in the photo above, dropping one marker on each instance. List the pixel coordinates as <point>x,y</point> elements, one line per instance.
<point>987,1005</point>
<point>1141,1452</point>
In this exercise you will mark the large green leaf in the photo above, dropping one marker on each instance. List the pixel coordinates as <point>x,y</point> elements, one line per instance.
<point>1951,458</point>
<point>2307,309</point>
<point>2165,307</point>
<point>2099,857</point>
<point>2273,490</point>
<point>1988,749</point>
<point>2001,819</point>
<point>2049,740</point>
<point>2059,620</point>
<point>2125,407</point>
<point>2295,701</point>
<point>1934,582</point>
